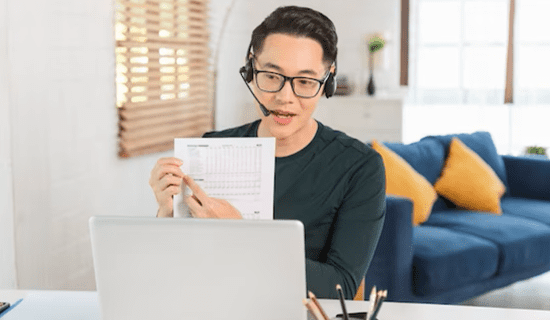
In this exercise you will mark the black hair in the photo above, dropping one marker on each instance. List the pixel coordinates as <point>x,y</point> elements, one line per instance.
<point>298,21</point>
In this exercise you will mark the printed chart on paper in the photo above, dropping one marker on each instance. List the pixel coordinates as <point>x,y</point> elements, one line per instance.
<point>239,170</point>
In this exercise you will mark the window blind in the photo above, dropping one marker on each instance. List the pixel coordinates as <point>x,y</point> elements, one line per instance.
<point>163,75</point>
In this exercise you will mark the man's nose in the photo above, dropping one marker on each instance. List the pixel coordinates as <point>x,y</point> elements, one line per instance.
<point>286,92</point>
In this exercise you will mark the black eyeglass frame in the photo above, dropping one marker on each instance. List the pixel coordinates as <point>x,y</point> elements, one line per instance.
<point>291,80</point>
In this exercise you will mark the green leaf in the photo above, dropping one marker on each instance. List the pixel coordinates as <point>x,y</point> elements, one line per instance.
<point>376,44</point>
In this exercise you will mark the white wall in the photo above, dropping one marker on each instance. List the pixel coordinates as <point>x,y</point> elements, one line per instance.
<point>64,133</point>
<point>354,19</point>
<point>7,253</point>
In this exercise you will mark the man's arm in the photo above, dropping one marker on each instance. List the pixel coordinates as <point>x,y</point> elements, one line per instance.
<point>356,231</point>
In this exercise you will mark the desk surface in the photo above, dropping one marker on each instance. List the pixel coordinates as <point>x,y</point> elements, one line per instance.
<point>389,311</point>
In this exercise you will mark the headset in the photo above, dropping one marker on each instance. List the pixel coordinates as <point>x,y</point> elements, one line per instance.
<point>247,73</point>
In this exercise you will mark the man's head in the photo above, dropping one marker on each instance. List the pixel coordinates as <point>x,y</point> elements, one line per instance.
<point>299,22</point>
<point>292,60</point>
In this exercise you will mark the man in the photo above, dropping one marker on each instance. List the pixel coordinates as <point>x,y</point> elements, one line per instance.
<point>334,184</point>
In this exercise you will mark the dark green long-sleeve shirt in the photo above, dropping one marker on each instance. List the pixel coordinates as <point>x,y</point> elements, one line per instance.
<point>336,187</point>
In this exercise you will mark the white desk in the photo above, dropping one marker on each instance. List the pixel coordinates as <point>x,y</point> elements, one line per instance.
<point>85,301</point>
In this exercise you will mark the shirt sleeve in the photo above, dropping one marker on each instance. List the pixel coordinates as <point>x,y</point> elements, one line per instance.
<point>355,234</point>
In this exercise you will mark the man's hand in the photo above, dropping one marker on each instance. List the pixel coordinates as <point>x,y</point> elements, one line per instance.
<point>202,206</point>
<point>166,181</point>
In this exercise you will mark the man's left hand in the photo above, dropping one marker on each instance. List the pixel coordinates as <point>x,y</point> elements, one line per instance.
<point>203,206</point>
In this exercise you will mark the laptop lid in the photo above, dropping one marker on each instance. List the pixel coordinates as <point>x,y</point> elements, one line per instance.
<point>155,268</point>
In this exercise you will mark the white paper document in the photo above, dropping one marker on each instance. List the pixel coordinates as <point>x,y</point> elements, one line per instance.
<point>239,170</point>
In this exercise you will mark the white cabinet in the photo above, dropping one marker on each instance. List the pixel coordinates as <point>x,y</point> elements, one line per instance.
<point>363,117</point>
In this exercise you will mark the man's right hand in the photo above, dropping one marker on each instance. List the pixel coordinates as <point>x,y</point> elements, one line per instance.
<point>166,181</point>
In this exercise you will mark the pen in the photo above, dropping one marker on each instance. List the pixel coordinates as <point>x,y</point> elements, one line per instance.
<point>342,302</point>
<point>318,305</point>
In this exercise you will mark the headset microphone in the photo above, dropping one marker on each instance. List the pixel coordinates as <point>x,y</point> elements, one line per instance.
<point>243,72</point>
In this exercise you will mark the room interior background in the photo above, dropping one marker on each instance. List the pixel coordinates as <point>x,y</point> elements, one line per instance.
<point>58,121</point>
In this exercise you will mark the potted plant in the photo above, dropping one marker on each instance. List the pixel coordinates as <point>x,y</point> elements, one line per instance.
<point>374,44</point>
<point>536,151</point>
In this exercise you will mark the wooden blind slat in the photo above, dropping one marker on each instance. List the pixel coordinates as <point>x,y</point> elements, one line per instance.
<point>191,63</point>
<point>152,74</point>
<point>194,28</point>
<point>193,130</point>
<point>147,131</point>
<point>153,93</point>
<point>132,124</point>
<point>157,45</point>
<point>179,17</point>
<point>156,55</point>
<point>157,83</point>
<point>162,103</point>
<point>155,7</point>
<point>133,114</point>
<point>143,151</point>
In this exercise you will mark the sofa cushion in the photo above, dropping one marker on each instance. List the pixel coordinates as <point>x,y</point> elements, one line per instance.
<point>427,157</point>
<point>481,143</point>
<point>402,180</point>
<point>468,181</point>
<point>445,259</point>
<point>538,210</point>
<point>522,243</point>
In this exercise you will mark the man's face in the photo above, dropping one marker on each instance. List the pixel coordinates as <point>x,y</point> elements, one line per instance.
<point>291,56</point>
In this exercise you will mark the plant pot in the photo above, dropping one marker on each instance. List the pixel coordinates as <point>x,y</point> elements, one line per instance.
<point>371,89</point>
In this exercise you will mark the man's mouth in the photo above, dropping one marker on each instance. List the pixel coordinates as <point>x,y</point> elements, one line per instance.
<point>282,118</point>
<point>282,114</point>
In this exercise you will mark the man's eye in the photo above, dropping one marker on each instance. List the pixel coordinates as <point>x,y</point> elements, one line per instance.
<point>304,82</point>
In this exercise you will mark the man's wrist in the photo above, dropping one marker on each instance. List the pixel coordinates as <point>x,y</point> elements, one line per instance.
<point>164,213</point>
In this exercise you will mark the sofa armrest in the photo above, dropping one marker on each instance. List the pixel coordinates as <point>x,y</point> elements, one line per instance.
<point>391,265</point>
<point>528,177</point>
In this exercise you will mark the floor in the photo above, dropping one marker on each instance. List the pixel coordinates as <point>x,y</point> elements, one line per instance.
<point>533,293</point>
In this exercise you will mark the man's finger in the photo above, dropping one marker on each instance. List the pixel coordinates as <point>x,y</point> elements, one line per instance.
<point>194,207</point>
<point>195,188</point>
<point>171,160</point>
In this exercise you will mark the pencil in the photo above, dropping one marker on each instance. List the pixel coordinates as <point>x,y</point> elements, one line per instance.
<point>342,302</point>
<point>383,296</point>
<point>312,309</point>
<point>372,300</point>
<point>318,305</point>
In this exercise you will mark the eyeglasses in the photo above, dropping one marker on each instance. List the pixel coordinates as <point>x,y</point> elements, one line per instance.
<point>303,87</point>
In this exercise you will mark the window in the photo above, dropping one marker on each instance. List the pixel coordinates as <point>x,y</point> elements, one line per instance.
<point>163,77</point>
<point>458,51</point>
<point>532,71</point>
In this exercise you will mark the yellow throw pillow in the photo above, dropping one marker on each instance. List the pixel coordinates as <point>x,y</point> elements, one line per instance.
<point>402,180</point>
<point>468,181</point>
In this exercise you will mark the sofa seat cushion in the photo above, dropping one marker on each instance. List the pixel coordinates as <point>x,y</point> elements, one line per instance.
<point>445,259</point>
<point>538,210</point>
<point>522,243</point>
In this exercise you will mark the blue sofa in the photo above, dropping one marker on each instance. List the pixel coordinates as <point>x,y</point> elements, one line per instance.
<point>458,254</point>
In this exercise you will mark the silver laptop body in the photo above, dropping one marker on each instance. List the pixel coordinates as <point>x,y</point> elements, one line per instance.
<point>157,268</point>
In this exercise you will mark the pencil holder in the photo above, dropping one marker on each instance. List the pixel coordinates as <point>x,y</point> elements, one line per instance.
<point>354,316</point>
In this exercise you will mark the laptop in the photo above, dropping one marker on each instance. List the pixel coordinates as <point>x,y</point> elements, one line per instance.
<point>158,268</point>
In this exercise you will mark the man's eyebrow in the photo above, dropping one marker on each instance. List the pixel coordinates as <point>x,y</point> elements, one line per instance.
<point>270,65</point>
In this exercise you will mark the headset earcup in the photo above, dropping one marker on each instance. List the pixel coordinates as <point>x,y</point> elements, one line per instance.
<point>249,73</point>
<point>330,86</point>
